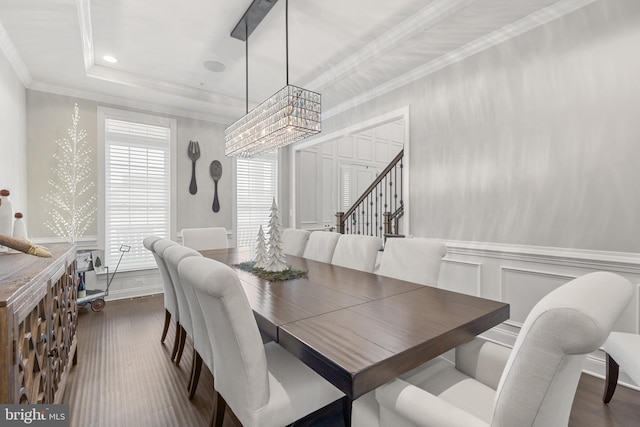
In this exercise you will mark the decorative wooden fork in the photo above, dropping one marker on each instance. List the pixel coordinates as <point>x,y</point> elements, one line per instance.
<point>194,154</point>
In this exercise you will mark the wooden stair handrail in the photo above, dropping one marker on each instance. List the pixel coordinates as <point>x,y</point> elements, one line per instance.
<point>374,184</point>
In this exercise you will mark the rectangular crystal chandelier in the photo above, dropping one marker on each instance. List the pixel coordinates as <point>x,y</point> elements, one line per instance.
<point>291,114</point>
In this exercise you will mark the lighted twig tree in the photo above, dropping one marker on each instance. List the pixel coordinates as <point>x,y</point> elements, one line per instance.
<point>261,251</point>
<point>71,212</point>
<point>276,258</point>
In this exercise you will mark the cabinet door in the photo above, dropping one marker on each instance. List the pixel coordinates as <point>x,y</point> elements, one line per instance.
<point>44,330</point>
<point>32,353</point>
<point>63,312</point>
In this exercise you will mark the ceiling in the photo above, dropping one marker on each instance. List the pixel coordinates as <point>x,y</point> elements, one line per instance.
<point>348,50</point>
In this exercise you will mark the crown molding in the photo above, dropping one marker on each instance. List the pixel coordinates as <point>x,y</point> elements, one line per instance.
<point>129,103</point>
<point>135,80</point>
<point>12,55</point>
<point>529,22</point>
<point>401,113</point>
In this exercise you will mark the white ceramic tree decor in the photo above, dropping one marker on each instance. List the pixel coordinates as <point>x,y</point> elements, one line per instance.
<point>276,257</point>
<point>261,251</point>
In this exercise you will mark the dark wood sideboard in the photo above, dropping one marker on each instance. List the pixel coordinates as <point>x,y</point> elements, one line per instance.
<point>38,318</point>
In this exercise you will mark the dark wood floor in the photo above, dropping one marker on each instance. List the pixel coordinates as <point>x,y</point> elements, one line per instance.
<point>124,378</point>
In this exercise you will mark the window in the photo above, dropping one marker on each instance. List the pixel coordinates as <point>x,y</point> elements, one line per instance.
<point>137,185</point>
<point>255,187</point>
<point>346,187</point>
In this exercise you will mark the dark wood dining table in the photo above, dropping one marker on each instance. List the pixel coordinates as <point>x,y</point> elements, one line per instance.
<point>360,330</point>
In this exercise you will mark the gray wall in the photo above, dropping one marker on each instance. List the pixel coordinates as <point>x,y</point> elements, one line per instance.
<point>49,117</point>
<point>532,142</point>
<point>535,141</point>
<point>13,137</point>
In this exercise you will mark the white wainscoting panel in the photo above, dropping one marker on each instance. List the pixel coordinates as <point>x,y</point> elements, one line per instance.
<point>461,276</point>
<point>308,184</point>
<point>381,150</point>
<point>365,148</point>
<point>523,288</point>
<point>522,275</point>
<point>345,147</point>
<point>329,205</point>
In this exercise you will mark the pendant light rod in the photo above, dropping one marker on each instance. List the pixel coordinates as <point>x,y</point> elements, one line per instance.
<point>286,34</point>
<point>288,116</point>
<point>246,52</point>
<point>252,18</point>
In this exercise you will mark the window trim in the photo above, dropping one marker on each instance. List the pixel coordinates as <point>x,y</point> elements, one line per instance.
<point>104,113</point>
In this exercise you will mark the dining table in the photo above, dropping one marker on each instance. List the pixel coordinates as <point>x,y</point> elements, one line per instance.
<point>356,329</point>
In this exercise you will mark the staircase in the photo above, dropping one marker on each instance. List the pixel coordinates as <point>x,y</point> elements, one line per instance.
<point>378,210</point>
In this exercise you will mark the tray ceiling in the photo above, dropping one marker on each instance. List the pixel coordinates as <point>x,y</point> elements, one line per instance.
<point>346,50</point>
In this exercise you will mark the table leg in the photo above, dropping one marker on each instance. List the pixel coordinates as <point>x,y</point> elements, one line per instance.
<point>347,404</point>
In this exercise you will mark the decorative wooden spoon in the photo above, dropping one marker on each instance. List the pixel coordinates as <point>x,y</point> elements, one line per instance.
<point>216,172</point>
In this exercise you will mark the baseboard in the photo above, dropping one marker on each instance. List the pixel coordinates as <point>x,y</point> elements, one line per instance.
<point>134,292</point>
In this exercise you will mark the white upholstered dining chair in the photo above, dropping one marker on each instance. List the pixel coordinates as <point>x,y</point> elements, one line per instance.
<point>357,251</point>
<point>169,308</point>
<point>414,259</point>
<point>159,247</point>
<point>294,241</point>
<point>205,238</point>
<point>532,385</point>
<point>622,350</point>
<point>170,300</point>
<point>321,245</point>
<point>189,302</point>
<point>264,385</point>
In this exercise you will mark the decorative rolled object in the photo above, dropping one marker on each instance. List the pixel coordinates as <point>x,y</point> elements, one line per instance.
<point>24,246</point>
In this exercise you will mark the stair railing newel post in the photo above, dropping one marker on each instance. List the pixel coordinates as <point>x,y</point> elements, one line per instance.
<point>340,222</point>
<point>387,223</point>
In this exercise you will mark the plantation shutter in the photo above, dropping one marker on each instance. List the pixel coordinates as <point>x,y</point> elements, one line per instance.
<point>137,190</point>
<point>256,187</point>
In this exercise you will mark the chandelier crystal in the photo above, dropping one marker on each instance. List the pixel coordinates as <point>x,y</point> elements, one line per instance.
<point>291,114</point>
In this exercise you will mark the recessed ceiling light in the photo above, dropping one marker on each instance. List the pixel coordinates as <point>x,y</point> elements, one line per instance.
<point>215,66</point>
<point>110,59</point>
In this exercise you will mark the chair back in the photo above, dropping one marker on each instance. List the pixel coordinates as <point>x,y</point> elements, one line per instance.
<point>149,241</point>
<point>538,384</point>
<point>240,371</point>
<point>321,245</point>
<point>357,251</point>
<point>154,244</point>
<point>413,259</point>
<point>193,323</point>
<point>294,241</point>
<point>202,239</point>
